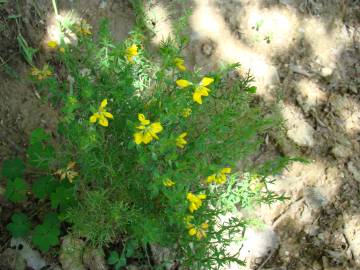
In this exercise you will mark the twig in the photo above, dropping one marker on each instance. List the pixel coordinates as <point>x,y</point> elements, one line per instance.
<point>277,218</point>
<point>266,260</point>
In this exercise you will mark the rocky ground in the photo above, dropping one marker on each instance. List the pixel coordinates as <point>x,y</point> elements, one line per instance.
<point>305,57</point>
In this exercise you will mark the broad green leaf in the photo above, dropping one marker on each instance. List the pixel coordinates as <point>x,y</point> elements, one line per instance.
<point>43,187</point>
<point>62,197</point>
<point>20,225</point>
<point>45,236</point>
<point>16,190</point>
<point>13,168</point>
<point>40,155</point>
<point>52,219</point>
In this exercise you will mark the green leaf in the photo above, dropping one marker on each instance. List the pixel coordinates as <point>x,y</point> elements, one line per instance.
<point>121,262</point>
<point>45,236</point>
<point>13,168</point>
<point>39,136</point>
<point>51,219</point>
<point>252,89</point>
<point>113,258</point>
<point>62,197</point>
<point>16,190</point>
<point>40,155</point>
<point>20,225</point>
<point>43,187</point>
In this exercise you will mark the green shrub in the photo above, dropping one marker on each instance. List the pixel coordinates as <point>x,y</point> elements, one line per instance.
<point>147,149</point>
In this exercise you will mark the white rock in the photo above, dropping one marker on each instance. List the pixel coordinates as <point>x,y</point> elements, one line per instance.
<point>341,151</point>
<point>94,259</point>
<point>326,72</point>
<point>10,259</point>
<point>314,198</point>
<point>354,170</point>
<point>259,243</point>
<point>71,253</point>
<point>299,131</point>
<point>32,257</point>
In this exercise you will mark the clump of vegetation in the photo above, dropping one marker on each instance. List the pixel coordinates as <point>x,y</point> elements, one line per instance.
<point>146,152</point>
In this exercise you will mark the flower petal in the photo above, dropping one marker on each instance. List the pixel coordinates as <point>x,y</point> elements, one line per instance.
<point>52,44</point>
<point>138,137</point>
<point>132,50</point>
<point>197,97</point>
<point>206,81</point>
<point>205,226</point>
<point>210,178</point>
<point>179,62</point>
<point>202,196</point>
<point>94,117</point>
<point>156,127</point>
<point>103,103</point>
<point>147,137</point>
<point>204,91</point>
<point>108,115</point>
<point>226,170</point>
<point>192,231</point>
<point>168,183</point>
<point>103,121</point>
<point>143,119</point>
<point>183,83</point>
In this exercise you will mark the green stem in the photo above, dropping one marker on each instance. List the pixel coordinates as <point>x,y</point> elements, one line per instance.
<point>55,7</point>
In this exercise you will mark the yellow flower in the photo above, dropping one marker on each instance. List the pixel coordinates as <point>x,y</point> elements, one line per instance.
<point>41,74</point>
<point>180,141</point>
<point>186,112</point>
<point>84,28</point>
<point>183,83</point>
<point>102,115</point>
<point>62,50</point>
<point>179,63</point>
<point>131,52</point>
<point>168,183</point>
<point>68,172</point>
<point>256,183</point>
<point>148,131</point>
<point>220,177</point>
<point>195,201</point>
<point>200,89</point>
<point>198,231</point>
<point>52,44</point>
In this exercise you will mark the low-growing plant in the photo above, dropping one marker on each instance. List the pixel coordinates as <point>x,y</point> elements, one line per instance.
<point>147,150</point>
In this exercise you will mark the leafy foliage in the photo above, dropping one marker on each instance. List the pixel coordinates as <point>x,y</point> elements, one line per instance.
<point>40,152</point>
<point>47,234</point>
<point>62,197</point>
<point>98,208</point>
<point>13,168</point>
<point>39,136</point>
<point>20,225</point>
<point>43,187</point>
<point>16,190</point>
<point>117,260</point>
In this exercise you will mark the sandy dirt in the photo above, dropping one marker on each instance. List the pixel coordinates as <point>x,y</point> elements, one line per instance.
<point>305,57</point>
